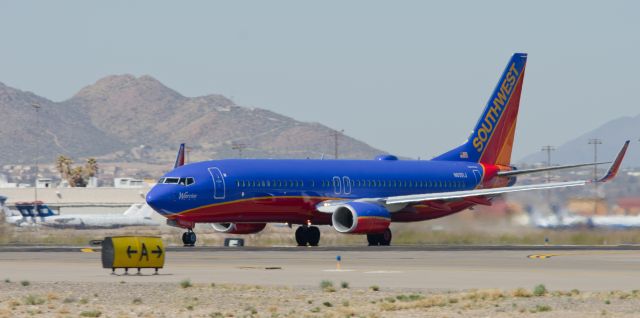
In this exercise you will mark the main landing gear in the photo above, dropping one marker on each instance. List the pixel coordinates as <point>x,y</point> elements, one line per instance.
<point>189,238</point>
<point>383,239</point>
<point>307,235</point>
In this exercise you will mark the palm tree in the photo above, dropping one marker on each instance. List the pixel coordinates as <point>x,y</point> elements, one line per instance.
<point>91,168</point>
<point>63,165</point>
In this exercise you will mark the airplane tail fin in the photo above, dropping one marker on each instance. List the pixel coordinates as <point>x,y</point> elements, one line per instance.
<point>491,141</point>
<point>180,157</point>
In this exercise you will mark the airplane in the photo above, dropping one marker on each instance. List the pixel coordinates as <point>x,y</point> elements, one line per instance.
<point>38,213</point>
<point>565,220</point>
<point>240,196</point>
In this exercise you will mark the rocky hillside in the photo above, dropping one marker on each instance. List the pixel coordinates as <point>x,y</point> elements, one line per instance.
<point>612,134</point>
<point>126,118</point>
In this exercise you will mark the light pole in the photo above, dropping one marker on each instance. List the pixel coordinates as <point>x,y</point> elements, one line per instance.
<point>335,135</point>
<point>548,149</point>
<point>595,142</point>
<point>36,106</point>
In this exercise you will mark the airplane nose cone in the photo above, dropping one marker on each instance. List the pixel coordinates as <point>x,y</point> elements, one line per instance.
<point>157,199</point>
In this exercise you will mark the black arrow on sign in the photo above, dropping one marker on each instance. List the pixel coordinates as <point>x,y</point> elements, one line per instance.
<point>130,251</point>
<point>157,251</point>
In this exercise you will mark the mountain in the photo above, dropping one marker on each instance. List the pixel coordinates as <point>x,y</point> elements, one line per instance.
<point>613,134</point>
<point>56,129</point>
<point>123,118</point>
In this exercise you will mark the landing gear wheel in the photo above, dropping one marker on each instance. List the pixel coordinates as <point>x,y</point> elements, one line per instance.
<point>189,238</point>
<point>385,237</point>
<point>185,239</point>
<point>373,239</point>
<point>313,235</point>
<point>302,235</point>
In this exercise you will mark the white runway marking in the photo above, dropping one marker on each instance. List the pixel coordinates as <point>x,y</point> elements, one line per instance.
<point>383,272</point>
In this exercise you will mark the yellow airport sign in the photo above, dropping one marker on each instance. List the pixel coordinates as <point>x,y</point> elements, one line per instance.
<point>132,252</point>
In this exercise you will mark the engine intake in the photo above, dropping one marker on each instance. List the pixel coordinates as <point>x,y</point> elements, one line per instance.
<point>238,228</point>
<point>361,218</point>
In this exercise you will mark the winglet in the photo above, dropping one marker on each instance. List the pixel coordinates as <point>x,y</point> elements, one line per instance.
<point>180,157</point>
<point>613,170</point>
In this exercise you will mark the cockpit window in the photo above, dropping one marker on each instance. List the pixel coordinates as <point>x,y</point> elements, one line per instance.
<point>181,181</point>
<point>171,180</point>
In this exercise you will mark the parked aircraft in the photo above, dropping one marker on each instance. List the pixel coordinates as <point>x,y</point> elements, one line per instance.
<point>562,219</point>
<point>355,196</point>
<point>38,213</point>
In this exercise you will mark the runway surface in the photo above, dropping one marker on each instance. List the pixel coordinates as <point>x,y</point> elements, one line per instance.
<point>409,267</point>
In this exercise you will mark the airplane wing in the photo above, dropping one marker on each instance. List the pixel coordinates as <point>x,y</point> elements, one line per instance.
<point>403,200</point>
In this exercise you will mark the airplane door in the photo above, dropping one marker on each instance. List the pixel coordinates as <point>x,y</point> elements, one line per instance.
<point>337,188</point>
<point>218,183</point>
<point>477,176</point>
<point>347,185</point>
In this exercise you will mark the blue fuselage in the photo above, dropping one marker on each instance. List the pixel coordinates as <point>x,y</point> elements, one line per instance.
<point>270,190</point>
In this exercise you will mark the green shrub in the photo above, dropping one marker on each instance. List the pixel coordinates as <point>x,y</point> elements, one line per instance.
<point>375,288</point>
<point>344,284</point>
<point>33,300</point>
<point>25,283</point>
<point>543,308</point>
<point>91,313</point>
<point>539,290</point>
<point>185,283</point>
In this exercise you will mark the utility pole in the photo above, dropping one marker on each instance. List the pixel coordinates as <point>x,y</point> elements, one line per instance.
<point>239,147</point>
<point>336,134</point>
<point>548,149</point>
<point>187,149</point>
<point>36,106</point>
<point>595,142</point>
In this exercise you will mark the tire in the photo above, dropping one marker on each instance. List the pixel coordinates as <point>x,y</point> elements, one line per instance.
<point>385,237</point>
<point>373,239</point>
<point>192,238</point>
<point>185,238</point>
<point>313,235</point>
<point>302,235</point>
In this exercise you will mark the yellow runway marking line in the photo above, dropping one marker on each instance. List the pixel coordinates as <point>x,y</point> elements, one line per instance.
<point>546,256</point>
<point>87,250</point>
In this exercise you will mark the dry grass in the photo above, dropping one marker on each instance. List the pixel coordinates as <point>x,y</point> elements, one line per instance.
<point>451,230</point>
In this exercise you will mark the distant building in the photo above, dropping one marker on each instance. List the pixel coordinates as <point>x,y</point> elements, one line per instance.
<point>587,206</point>
<point>629,205</point>
<point>44,183</point>
<point>128,183</point>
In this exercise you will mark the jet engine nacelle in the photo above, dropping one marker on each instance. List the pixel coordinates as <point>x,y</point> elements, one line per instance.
<point>361,218</point>
<point>238,228</point>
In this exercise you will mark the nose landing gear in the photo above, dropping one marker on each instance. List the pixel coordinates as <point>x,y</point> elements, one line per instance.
<point>189,238</point>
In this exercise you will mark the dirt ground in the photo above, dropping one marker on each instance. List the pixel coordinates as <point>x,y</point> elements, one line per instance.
<point>328,299</point>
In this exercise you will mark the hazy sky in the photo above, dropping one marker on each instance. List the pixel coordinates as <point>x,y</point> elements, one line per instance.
<point>409,77</point>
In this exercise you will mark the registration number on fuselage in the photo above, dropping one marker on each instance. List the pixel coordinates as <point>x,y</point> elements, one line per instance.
<point>460,175</point>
